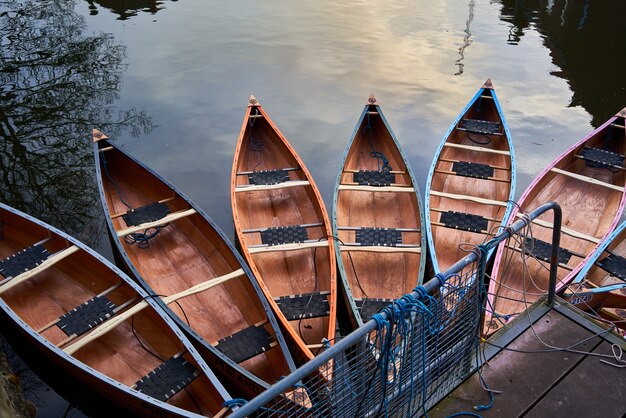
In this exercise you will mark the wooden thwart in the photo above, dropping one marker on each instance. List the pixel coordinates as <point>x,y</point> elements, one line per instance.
<point>254,187</point>
<point>564,230</point>
<point>497,167</point>
<point>287,247</point>
<point>169,218</point>
<point>407,189</point>
<point>50,261</point>
<point>478,149</point>
<point>392,171</point>
<point>470,198</point>
<point>587,179</point>
<point>604,164</point>
<point>477,178</point>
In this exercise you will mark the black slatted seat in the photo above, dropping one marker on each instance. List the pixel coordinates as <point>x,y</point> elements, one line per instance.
<point>543,250</point>
<point>369,306</point>
<point>599,158</point>
<point>464,221</point>
<point>167,379</point>
<point>86,316</point>
<point>485,127</point>
<point>388,237</point>
<point>149,213</point>
<point>265,177</point>
<point>374,178</point>
<point>284,235</point>
<point>474,170</point>
<point>246,343</point>
<point>23,261</point>
<point>615,265</point>
<point>306,305</point>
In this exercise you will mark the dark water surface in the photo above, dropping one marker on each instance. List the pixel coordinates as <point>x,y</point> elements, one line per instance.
<point>170,81</point>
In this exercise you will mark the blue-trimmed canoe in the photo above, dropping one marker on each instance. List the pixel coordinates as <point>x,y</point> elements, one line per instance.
<point>66,304</point>
<point>171,246</point>
<point>601,283</point>
<point>471,183</point>
<point>377,217</point>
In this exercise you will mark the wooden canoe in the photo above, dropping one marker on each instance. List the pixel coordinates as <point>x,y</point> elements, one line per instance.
<point>601,282</point>
<point>587,181</point>
<point>93,324</point>
<point>377,217</point>
<point>223,311</point>
<point>283,230</point>
<point>471,182</point>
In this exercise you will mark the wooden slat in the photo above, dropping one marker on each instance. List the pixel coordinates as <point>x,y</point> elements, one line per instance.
<point>392,171</point>
<point>483,232</point>
<point>408,189</point>
<point>248,231</point>
<point>586,179</point>
<point>106,149</point>
<point>201,287</point>
<point>615,125</point>
<point>485,217</point>
<point>380,249</point>
<point>470,198</point>
<point>117,215</point>
<point>254,187</point>
<point>48,262</point>
<point>169,218</point>
<point>478,149</point>
<point>247,173</point>
<point>564,230</point>
<point>477,178</point>
<point>287,247</point>
<point>356,228</point>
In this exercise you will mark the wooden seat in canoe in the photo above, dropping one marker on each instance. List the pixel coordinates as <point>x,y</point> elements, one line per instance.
<point>369,306</point>
<point>473,170</point>
<point>614,264</point>
<point>379,240</point>
<point>22,261</point>
<point>286,238</point>
<point>165,220</point>
<point>247,343</point>
<point>291,183</point>
<point>564,230</point>
<point>600,158</point>
<point>406,189</point>
<point>483,127</point>
<point>168,378</point>
<point>587,179</point>
<point>463,221</point>
<point>305,305</point>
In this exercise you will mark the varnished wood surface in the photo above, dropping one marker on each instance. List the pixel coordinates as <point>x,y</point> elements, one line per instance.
<point>130,350</point>
<point>186,252</point>
<point>261,146</point>
<point>391,273</point>
<point>484,197</point>
<point>589,209</point>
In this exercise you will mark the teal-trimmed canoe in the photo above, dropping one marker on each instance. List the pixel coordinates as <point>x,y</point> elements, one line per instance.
<point>377,218</point>
<point>471,182</point>
<point>601,283</point>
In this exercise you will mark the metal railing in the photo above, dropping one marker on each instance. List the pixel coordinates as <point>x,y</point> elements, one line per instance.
<point>408,356</point>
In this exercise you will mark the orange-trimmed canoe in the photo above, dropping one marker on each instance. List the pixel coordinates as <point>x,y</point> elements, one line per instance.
<point>171,246</point>
<point>283,229</point>
<point>90,322</point>
<point>377,216</point>
<point>587,181</point>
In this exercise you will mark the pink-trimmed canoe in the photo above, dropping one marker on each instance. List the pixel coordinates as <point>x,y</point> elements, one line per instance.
<point>95,327</point>
<point>587,181</point>
<point>283,229</point>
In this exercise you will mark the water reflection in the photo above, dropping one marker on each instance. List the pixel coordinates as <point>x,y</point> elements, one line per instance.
<point>57,83</point>
<point>126,9</point>
<point>586,42</point>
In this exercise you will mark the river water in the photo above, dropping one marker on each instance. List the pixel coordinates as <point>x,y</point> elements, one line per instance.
<point>170,80</point>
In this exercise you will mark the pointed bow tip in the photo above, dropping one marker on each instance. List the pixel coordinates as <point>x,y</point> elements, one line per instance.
<point>488,84</point>
<point>253,101</point>
<point>622,113</point>
<point>96,135</point>
<point>372,100</point>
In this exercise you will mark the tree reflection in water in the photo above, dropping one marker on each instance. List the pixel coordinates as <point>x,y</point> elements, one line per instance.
<point>57,83</point>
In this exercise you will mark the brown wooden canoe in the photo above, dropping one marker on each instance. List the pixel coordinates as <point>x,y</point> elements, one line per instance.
<point>171,246</point>
<point>283,229</point>
<point>587,181</point>
<point>377,216</point>
<point>92,323</point>
<point>471,182</point>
